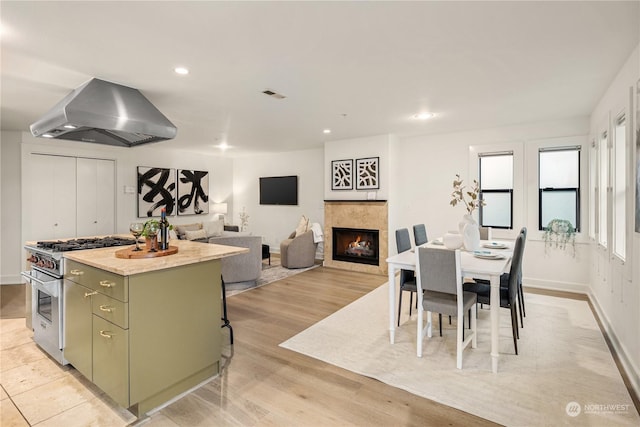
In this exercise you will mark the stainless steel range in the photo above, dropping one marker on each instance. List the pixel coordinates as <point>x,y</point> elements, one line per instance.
<point>46,279</point>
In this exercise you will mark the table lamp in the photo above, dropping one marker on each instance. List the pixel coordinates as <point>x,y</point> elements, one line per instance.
<point>220,209</point>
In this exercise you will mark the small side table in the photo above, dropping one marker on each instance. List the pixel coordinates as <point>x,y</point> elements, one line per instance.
<point>265,253</point>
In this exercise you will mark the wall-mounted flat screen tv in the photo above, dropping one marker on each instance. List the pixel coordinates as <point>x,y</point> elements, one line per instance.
<point>279,190</point>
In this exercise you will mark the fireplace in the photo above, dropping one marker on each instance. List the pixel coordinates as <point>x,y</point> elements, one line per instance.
<point>356,245</point>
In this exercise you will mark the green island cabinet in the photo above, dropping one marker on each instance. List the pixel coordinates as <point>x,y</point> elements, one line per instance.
<point>144,338</point>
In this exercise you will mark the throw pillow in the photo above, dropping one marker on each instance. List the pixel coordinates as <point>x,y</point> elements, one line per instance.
<point>195,234</point>
<point>181,229</point>
<point>303,226</point>
<point>214,228</point>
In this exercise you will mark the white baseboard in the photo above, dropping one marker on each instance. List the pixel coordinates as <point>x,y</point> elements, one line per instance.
<point>551,285</point>
<point>632,371</point>
<point>11,280</point>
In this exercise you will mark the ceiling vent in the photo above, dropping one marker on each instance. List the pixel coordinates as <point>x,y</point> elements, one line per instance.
<point>273,94</point>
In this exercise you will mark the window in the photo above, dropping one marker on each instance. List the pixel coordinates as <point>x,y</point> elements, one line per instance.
<point>559,185</point>
<point>619,187</point>
<point>593,184</point>
<point>603,183</point>
<point>496,189</point>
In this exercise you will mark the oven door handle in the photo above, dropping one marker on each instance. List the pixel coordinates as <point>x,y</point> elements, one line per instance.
<point>27,275</point>
<point>49,287</point>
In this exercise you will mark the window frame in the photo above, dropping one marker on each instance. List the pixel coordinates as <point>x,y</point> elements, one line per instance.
<point>495,191</point>
<point>619,119</point>
<point>541,191</point>
<point>604,209</point>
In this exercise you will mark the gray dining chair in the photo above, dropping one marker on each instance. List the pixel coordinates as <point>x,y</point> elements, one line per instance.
<point>420,234</point>
<point>407,277</point>
<point>508,288</point>
<point>523,232</point>
<point>438,274</point>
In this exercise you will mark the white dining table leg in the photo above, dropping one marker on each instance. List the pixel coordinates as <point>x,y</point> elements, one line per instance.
<point>392,303</point>
<point>495,322</point>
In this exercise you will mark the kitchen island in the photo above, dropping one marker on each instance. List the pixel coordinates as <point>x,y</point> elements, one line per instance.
<point>144,330</point>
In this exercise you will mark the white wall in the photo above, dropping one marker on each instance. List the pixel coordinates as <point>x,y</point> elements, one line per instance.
<point>127,160</point>
<point>615,286</point>
<point>429,163</point>
<point>11,246</point>
<point>275,223</point>
<point>358,148</point>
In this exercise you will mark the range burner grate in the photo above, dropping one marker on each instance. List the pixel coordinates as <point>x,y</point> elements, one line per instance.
<point>88,243</point>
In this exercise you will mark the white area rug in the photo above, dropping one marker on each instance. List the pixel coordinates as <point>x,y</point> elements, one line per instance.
<point>269,274</point>
<point>562,359</point>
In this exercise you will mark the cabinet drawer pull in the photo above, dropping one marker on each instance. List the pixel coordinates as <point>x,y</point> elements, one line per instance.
<point>106,334</point>
<point>77,272</point>
<point>88,294</point>
<point>106,308</point>
<point>107,284</point>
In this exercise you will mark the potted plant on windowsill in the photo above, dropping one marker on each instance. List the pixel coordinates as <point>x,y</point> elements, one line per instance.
<point>559,234</point>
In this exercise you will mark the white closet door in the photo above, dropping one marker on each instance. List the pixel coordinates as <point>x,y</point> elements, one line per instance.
<point>106,197</point>
<point>52,200</point>
<point>96,197</point>
<point>86,200</point>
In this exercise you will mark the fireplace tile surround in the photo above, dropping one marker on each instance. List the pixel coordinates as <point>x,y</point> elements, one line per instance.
<point>361,214</point>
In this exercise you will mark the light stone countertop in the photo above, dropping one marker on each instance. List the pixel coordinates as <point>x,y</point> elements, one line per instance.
<point>188,253</point>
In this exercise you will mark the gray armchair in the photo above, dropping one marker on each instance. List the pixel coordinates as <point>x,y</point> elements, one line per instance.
<point>298,252</point>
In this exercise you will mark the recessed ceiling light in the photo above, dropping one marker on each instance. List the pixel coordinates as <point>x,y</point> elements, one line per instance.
<point>223,146</point>
<point>70,127</point>
<point>326,131</point>
<point>181,70</point>
<point>424,116</point>
<point>47,135</point>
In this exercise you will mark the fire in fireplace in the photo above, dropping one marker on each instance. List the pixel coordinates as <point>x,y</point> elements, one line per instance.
<point>356,245</point>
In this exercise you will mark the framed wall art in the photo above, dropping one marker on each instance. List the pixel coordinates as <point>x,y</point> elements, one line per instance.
<point>342,174</point>
<point>156,190</point>
<point>193,192</point>
<point>367,173</point>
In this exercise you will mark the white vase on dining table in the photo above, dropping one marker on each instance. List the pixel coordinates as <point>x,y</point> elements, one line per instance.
<point>470,233</point>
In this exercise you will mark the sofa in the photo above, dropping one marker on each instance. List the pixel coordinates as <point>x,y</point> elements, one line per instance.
<point>237,268</point>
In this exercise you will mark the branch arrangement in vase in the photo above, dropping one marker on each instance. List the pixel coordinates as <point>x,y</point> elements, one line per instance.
<point>469,198</point>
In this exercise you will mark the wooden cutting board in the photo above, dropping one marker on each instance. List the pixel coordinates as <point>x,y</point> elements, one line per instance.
<point>131,253</point>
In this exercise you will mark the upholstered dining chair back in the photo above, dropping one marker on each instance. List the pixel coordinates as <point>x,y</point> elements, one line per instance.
<point>515,274</point>
<point>485,233</point>
<point>403,241</point>
<point>420,234</point>
<point>439,271</point>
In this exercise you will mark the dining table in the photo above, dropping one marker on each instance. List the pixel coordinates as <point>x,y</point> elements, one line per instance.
<point>472,266</point>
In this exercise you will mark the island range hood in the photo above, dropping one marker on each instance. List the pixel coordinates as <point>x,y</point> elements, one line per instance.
<point>102,112</point>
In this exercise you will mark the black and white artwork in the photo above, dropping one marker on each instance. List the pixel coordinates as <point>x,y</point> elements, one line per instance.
<point>637,156</point>
<point>193,192</point>
<point>156,190</point>
<point>342,174</point>
<point>367,173</point>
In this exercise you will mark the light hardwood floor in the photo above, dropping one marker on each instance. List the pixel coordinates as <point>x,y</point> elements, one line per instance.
<point>261,384</point>
<point>264,384</point>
